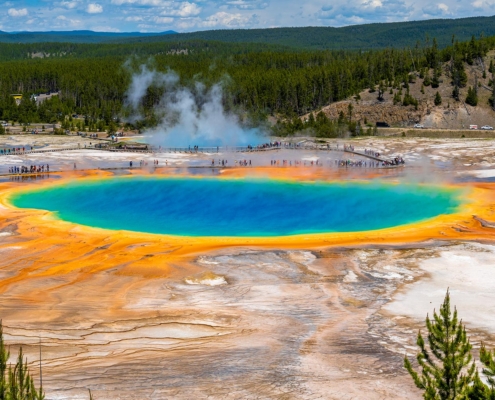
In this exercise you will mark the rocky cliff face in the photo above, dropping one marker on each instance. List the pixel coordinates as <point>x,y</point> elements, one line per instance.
<point>377,111</point>
<point>450,114</point>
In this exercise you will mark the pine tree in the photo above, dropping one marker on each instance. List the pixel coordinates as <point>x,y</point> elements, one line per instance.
<point>427,80</point>
<point>15,382</point>
<point>438,99</point>
<point>435,82</point>
<point>311,120</point>
<point>446,367</point>
<point>455,93</point>
<point>381,90</point>
<point>478,390</point>
<point>487,358</point>
<point>4,356</point>
<point>472,97</point>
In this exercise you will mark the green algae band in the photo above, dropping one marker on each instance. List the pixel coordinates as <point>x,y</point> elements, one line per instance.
<point>223,207</point>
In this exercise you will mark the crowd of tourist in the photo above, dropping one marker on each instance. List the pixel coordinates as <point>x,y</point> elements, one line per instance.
<point>31,169</point>
<point>223,163</point>
<point>371,153</point>
<point>243,163</point>
<point>14,150</point>
<point>371,157</point>
<point>358,163</point>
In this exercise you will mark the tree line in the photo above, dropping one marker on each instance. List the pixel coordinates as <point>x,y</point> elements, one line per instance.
<point>258,81</point>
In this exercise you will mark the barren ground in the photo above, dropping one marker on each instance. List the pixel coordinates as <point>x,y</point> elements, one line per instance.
<point>239,322</point>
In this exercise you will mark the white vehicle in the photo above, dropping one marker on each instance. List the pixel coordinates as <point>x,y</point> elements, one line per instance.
<point>419,126</point>
<point>487,128</point>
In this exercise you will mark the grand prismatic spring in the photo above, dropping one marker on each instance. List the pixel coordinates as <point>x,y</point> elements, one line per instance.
<point>240,207</point>
<point>234,283</point>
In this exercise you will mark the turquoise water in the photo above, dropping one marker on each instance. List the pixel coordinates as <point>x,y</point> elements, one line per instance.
<point>222,207</point>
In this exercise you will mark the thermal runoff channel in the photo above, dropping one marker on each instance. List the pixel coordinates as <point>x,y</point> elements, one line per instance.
<point>234,207</point>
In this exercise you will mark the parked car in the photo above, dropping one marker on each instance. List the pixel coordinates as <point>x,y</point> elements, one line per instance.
<point>487,128</point>
<point>473,126</point>
<point>381,124</point>
<point>419,126</point>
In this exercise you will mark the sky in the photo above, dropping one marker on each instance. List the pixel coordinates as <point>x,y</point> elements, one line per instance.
<point>197,15</point>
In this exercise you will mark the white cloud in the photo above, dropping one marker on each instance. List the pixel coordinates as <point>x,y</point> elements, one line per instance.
<point>185,9</point>
<point>372,4</point>
<point>483,4</point>
<point>146,26</point>
<point>247,4</point>
<point>443,7</point>
<point>163,20</point>
<point>155,3</point>
<point>68,4</point>
<point>94,8</point>
<point>21,12</point>
<point>62,22</point>
<point>224,19</point>
<point>440,9</point>
<point>187,15</point>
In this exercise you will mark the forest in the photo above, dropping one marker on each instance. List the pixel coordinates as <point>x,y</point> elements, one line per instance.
<point>367,36</point>
<point>355,37</point>
<point>258,80</point>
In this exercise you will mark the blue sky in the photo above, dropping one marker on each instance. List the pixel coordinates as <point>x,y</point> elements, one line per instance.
<point>194,15</point>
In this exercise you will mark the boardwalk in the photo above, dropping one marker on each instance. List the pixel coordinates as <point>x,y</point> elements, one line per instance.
<point>202,150</point>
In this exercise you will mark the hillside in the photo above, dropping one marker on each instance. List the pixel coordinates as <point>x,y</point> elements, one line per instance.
<point>72,36</point>
<point>258,82</point>
<point>450,114</point>
<point>122,51</point>
<point>369,36</point>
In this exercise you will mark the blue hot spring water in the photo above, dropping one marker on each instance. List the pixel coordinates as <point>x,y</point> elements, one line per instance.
<point>230,207</point>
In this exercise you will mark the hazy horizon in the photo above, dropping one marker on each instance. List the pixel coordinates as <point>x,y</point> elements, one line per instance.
<point>156,16</point>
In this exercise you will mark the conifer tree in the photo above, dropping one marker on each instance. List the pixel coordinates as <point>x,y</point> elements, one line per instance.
<point>487,358</point>
<point>478,390</point>
<point>435,82</point>
<point>438,99</point>
<point>446,363</point>
<point>15,381</point>
<point>472,97</point>
<point>455,93</point>
<point>4,356</point>
<point>427,80</point>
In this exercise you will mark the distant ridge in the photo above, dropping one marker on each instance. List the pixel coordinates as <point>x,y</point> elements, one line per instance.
<point>83,36</point>
<point>368,36</point>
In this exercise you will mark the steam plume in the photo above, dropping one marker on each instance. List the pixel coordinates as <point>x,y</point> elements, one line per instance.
<point>188,118</point>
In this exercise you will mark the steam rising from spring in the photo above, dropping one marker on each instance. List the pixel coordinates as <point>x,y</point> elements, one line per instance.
<point>188,118</point>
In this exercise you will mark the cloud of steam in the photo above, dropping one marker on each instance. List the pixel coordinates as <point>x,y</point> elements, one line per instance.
<point>187,117</point>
